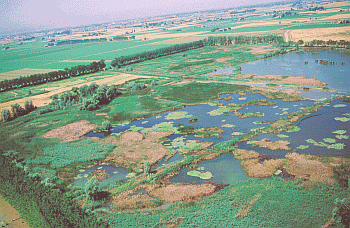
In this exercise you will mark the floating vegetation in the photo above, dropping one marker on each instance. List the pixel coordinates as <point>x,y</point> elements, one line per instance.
<point>164,126</point>
<point>115,172</point>
<point>228,125</point>
<point>131,175</point>
<point>236,133</point>
<point>251,142</point>
<point>294,129</point>
<point>242,98</point>
<point>339,132</point>
<point>249,114</point>
<point>339,105</point>
<point>81,170</point>
<point>329,140</point>
<point>134,128</point>
<point>200,168</point>
<point>193,119</point>
<point>78,177</point>
<point>342,136</point>
<point>282,136</point>
<point>202,175</point>
<point>182,145</point>
<point>278,172</point>
<point>303,147</point>
<point>86,175</point>
<point>337,146</point>
<point>178,115</point>
<point>144,122</point>
<point>285,109</point>
<point>100,168</point>
<point>219,111</point>
<point>275,106</point>
<point>342,119</point>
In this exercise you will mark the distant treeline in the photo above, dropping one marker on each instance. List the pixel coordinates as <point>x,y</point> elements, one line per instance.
<point>40,203</point>
<point>38,79</point>
<point>136,58</point>
<point>337,43</point>
<point>228,40</point>
<point>63,42</point>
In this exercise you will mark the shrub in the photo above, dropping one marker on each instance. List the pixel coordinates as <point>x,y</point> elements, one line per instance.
<point>106,125</point>
<point>5,115</point>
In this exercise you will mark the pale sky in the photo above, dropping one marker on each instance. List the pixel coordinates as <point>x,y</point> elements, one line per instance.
<point>44,14</point>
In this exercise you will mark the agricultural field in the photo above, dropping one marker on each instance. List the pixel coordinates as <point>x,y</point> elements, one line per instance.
<point>212,121</point>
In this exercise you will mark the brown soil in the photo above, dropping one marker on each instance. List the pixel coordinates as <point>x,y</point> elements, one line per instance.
<point>271,93</point>
<point>297,80</point>
<point>70,132</point>
<point>173,193</point>
<point>11,215</point>
<point>309,168</point>
<point>243,154</point>
<point>277,145</point>
<point>123,201</point>
<point>254,168</point>
<point>133,148</point>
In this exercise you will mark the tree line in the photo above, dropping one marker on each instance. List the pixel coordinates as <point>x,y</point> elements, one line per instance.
<point>63,42</point>
<point>40,204</point>
<point>136,58</point>
<point>228,40</point>
<point>337,43</point>
<point>38,79</point>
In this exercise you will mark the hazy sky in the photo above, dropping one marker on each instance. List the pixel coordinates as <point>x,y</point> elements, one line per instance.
<point>43,14</point>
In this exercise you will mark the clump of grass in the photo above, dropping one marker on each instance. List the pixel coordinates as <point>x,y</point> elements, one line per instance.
<point>67,153</point>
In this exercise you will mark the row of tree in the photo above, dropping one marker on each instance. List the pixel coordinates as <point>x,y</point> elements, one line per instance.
<point>228,40</point>
<point>17,111</point>
<point>136,58</point>
<point>337,43</point>
<point>38,79</point>
<point>63,42</point>
<point>41,205</point>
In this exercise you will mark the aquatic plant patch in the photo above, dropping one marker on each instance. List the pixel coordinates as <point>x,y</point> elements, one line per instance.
<point>303,147</point>
<point>177,115</point>
<point>339,105</point>
<point>337,146</point>
<point>342,119</point>
<point>339,132</point>
<point>201,175</point>
<point>342,136</point>
<point>282,136</point>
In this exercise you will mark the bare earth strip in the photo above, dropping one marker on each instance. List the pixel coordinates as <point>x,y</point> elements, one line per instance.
<point>44,99</point>
<point>11,215</point>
